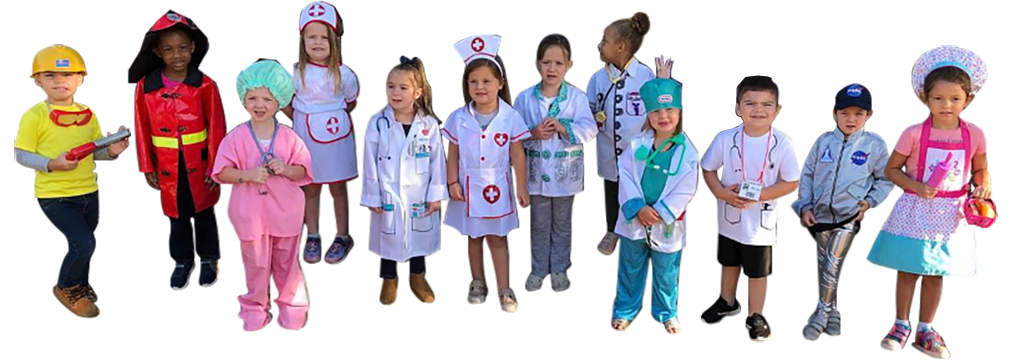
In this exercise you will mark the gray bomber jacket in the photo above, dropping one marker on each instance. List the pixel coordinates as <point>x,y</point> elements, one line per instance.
<point>839,173</point>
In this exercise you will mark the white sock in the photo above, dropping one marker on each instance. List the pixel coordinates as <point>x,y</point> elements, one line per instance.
<point>314,235</point>
<point>923,326</point>
<point>903,322</point>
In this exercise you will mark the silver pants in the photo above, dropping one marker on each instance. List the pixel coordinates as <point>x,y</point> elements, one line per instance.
<point>832,249</point>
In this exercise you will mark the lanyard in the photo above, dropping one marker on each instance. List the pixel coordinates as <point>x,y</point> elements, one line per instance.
<point>265,155</point>
<point>762,172</point>
<point>620,72</point>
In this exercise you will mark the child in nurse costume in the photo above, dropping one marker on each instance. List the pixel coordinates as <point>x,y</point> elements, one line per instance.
<point>658,178</point>
<point>926,235</point>
<point>404,180</point>
<point>485,143</point>
<point>326,92</point>
<point>559,121</point>
<point>267,163</point>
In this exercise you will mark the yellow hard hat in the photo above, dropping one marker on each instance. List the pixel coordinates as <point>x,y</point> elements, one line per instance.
<point>58,58</point>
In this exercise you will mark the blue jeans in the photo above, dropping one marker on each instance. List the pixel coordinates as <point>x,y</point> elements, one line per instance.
<point>633,266</point>
<point>76,217</point>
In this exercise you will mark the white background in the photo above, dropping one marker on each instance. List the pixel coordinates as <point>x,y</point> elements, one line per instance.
<point>745,38</point>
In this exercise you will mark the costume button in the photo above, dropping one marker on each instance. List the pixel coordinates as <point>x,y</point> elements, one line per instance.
<point>483,159</point>
<point>483,136</point>
<point>618,151</point>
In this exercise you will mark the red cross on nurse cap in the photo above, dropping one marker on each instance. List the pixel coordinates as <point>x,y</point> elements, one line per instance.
<point>479,47</point>
<point>165,21</point>
<point>321,12</point>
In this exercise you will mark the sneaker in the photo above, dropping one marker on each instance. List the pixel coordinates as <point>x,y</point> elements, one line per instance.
<point>897,337</point>
<point>74,299</point>
<point>719,310</point>
<point>758,328</point>
<point>608,243</point>
<point>534,282</point>
<point>90,294</point>
<point>477,292</point>
<point>312,250</point>
<point>833,328</point>
<point>508,302</point>
<point>559,281</point>
<point>209,272</point>
<point>673,326</point>
<point>339,250</point>
<point>932,344</point>
<point>181,276</point>
<point>817,323</point>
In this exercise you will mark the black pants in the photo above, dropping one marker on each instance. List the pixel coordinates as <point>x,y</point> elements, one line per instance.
<point>182,235</point>
<point>75,217</point>
<point>612,204</point>
<point>389,268</point>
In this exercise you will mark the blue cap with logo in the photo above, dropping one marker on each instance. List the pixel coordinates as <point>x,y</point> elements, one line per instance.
<point>854,95</point>
<point>661,94</point>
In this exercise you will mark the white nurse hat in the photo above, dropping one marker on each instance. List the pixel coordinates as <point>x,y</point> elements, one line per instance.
<point>321,12</point>
<point>479,47</point>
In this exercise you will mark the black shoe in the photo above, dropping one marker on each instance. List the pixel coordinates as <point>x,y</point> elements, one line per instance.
<point>758,328</point>
<point>719,310</point>
<point>209,272</point>
<point>181,276</point>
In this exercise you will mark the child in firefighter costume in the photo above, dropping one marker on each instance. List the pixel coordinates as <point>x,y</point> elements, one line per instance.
<point>179,122</point>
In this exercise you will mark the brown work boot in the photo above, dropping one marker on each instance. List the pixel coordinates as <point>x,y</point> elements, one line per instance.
<point>389,288</point>
<point>75,299</point>
<point>421,288</point>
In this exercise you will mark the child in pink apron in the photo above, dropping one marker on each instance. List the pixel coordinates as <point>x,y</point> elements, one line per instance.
<point>267,163</point>
<point>926,236</point>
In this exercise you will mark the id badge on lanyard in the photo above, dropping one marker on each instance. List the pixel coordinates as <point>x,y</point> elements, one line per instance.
<point>421,154</point>
<point>750,188</point>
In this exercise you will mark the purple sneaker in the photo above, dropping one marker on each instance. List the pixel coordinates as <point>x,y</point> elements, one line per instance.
<point>312,251</point>
<point>339,250</point>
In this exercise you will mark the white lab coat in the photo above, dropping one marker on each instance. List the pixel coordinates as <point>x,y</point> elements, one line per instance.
<point>624,109</point>
<point>485,171</point>
<point>556,166</point>
<point>668,237</point>
<point>401,174</point>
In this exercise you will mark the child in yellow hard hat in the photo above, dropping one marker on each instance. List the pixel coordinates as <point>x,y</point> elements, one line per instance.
<point>65,185</point>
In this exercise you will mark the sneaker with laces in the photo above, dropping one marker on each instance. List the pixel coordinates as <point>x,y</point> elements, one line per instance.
<point>534,282</point>
<point>209,272</point>
<point>75,300</point>
<point>931,344</point>
<point>719,310</point>
<point>477,292</point>
<point>559,281</point>
<point>339,250</point>
<point>312,250</point>
<point>90,294</point>
<point>181,276</point>
<point>897,337</point>
<point>508,302</point>
<point>758,328</point>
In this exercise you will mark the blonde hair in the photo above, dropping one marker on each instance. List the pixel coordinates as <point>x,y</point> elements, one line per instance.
<point>414,67</point>
<point>334,59</point>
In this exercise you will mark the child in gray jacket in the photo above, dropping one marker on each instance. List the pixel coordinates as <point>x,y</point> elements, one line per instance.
<point>843,177</point>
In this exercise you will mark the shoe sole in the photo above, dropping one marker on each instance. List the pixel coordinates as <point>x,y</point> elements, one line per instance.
<point>890,348</point>
<point>724,315</point>
<point>476,301</point>
<point>187,282</point>
<point>206,285</point>
<point>926,352</point>
<point>761,340</point>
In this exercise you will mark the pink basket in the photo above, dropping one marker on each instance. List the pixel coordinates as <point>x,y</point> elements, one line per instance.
<point>977,219</point>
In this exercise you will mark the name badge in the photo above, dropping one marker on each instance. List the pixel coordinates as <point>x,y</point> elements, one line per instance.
<point>751,190</point>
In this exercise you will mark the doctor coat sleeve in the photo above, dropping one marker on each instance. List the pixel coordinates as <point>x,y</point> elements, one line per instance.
<point>672,205</point>
<point>582,129</point>
<point>804,193</point>
<point>591,91</point>
<point>371,195</point>
<point>438,189</point>
<point>143,132</point>
<point>629,190</point>
<point>883,186</point>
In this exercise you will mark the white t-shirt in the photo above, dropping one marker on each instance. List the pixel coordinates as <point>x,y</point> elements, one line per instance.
<point>756,224</point>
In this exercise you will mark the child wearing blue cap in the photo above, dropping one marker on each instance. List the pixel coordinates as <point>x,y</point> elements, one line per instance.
<point>658,176</point>
<point>843,176</point>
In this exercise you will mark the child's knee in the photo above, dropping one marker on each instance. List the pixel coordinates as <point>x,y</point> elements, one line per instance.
<point>337,189</point>
<point>312,190</point>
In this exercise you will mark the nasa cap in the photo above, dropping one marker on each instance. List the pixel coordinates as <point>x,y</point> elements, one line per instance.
<point>853,95</point>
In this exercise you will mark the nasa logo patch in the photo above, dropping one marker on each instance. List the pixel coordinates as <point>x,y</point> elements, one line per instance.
<point>859,158</point>
<point>854,91</point>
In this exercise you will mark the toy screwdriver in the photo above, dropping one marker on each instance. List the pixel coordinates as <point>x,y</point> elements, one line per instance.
<point>82,151</point>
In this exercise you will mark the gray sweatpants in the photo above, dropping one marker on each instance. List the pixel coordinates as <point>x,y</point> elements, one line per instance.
<point>551,221</point>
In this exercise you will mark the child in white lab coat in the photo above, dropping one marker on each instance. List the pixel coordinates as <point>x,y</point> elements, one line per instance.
<point>404,182</point>
<point>485,139</point>
<point>560,121</point>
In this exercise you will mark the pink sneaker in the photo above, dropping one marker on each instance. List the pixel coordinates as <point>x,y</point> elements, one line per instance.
<point>932,344</point>
<point>896,338</point>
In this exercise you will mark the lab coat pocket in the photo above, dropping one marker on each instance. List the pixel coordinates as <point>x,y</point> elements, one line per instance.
<point>388,214</point>
<point>731,214</point>
<point>422,223</point>
<point>768,215</point>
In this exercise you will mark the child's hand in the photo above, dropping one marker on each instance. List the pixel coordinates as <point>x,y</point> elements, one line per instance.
<point>808,219</point>
<point>211,183</point>
<point>61,163</point>
<point>432,207</point>
<point>982,192</point>
<point>865,206</point>
<point>257,175</point>
<point>455,192</point>
<point>153,180</point>
<point>523,197</point>
<point>663,67</point>
<point>543,131</point>
<point>376,210</point>
<point>277,167</point>
<point>555,126</point>
<point>925,191</point>
<point>730,195</point>
<point>647,216</point>
<point>116,148</point>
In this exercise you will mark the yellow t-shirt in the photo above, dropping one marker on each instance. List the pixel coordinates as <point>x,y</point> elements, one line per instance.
<point>38,134</point>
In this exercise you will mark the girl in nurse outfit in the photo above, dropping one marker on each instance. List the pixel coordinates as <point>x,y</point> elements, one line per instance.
<point>926,236</point>
<point>560,121</point>
<point>485,142</point>
<point>404,183</point>
<point>658,178</point>
<point>267,163</point>
<point>326,92</point>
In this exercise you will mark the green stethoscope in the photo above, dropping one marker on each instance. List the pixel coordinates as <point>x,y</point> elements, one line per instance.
<point>644,154</point>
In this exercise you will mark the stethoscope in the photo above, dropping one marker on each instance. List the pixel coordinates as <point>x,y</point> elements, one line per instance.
<point>384,150</point>
<point>266,155</point>
<point>736,149</point>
